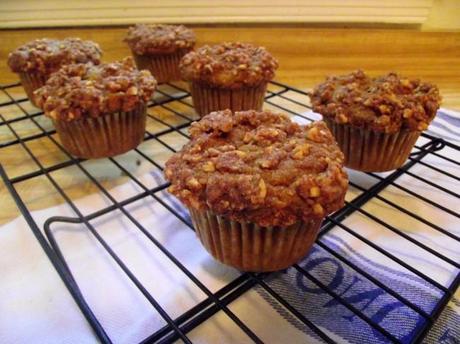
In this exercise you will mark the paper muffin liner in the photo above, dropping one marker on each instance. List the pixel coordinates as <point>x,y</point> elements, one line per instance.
<point>31,82</point>
<point>164,67</point>
<point>103,136</point>
<point>249,247</point>
<point>207,99</point>
<point>372,151</point>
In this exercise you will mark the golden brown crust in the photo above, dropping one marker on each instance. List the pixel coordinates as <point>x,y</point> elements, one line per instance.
<point>146,39</point>
<point>388,103</point>
<point>46,56</point>
<point>229,65</point>
<point>80,90</point>
<point>259,167</point>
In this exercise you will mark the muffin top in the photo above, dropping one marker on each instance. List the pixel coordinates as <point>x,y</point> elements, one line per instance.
<point>388,103</point>
<point>229,65</point>
<point>259,167</point>
<point>79,90</point>
<point>46,55</point>
<point>146,39</point>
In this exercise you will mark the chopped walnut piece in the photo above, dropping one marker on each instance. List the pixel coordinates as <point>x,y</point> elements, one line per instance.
<point>314,134</point>
<point>422,126</point>
<point>208,166</point>
<point>193,183</point>
<point>263,188</point>
<point>407,113</point>
<point>132,91</point>
<point>315,192</point>
<point>318,209</point>
<point>241,154</point>
<point>341,118</point>
<point>300,151</point>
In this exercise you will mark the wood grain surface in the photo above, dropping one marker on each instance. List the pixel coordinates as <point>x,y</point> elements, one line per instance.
<point>306,56</point>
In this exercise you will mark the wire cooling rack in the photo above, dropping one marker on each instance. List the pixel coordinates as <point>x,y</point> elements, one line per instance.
<point>23,127</point>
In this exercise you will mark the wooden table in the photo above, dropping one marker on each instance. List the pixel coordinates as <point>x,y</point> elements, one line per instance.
<point>306,56</point>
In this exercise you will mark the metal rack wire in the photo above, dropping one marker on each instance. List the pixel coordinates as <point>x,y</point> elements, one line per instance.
<point>171,112</point>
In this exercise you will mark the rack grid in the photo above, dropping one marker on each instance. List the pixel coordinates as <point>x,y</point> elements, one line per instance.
<point>169,115</point>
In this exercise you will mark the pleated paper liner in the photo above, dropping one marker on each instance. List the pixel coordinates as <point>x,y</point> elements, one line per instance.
<point>104,136</point>
<point>31,82</point>
<point>249,247</point>
<point>372,151</point>
<point>164,67</point>
<point>208,99</point>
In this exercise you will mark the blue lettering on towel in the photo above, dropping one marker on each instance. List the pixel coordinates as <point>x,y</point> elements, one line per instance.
<point>361,294</point>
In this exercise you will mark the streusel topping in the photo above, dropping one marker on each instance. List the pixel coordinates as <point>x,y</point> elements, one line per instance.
<point>46,55</point>
<point>146,39</point>
<point>259,167</point>
<point>79,90</point>
<point>388,103</point>
<point>229,65</point>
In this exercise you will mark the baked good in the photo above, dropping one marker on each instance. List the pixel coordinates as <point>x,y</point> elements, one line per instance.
<point>159,48</point>
<point>258,186</point>
<point>228,76</point>
<point>375,121</point>
<point>98,110</point>
<point>37,60</point>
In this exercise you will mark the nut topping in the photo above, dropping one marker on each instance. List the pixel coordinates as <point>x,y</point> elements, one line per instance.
<point>80,90</point>
<point>46,56</point>
<point>388,103</point>
<point>283,174</point>
<point>229,65</point>
<point>146,39</point>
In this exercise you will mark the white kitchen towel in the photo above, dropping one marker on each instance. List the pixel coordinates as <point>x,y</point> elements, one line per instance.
<point>36,307</point>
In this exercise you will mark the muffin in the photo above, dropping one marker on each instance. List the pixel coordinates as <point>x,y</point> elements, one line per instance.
<point>257,186</point>
<point>228,76</point>
<point>37,60</point>
<point>98,110</point>
<point>375,121</point>
<point>159,48</point>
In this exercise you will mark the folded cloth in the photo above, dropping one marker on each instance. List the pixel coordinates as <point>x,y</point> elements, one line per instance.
<point>36,307</point>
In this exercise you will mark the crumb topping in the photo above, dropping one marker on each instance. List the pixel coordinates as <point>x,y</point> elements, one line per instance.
<point>46,55</point>
<point>229,65</point>
<point>388,103</point>
<point>79,90</point>
<point>259,167</point>
<point>146,39</point>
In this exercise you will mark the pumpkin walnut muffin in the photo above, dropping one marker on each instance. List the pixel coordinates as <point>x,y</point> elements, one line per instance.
<point>228,76</point>
<point>98,110</point>
<point>258,186</point>
<point>159,48</point>
<point>375,121</point>
<point>37,60</point>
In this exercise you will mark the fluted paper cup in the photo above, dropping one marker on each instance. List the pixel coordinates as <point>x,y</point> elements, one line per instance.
<point>208,99</point>
<point>372,151</point>
<point>104,136</point>
<point>249,247</point>
<point>164,67</point>
<point>31,82</point>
